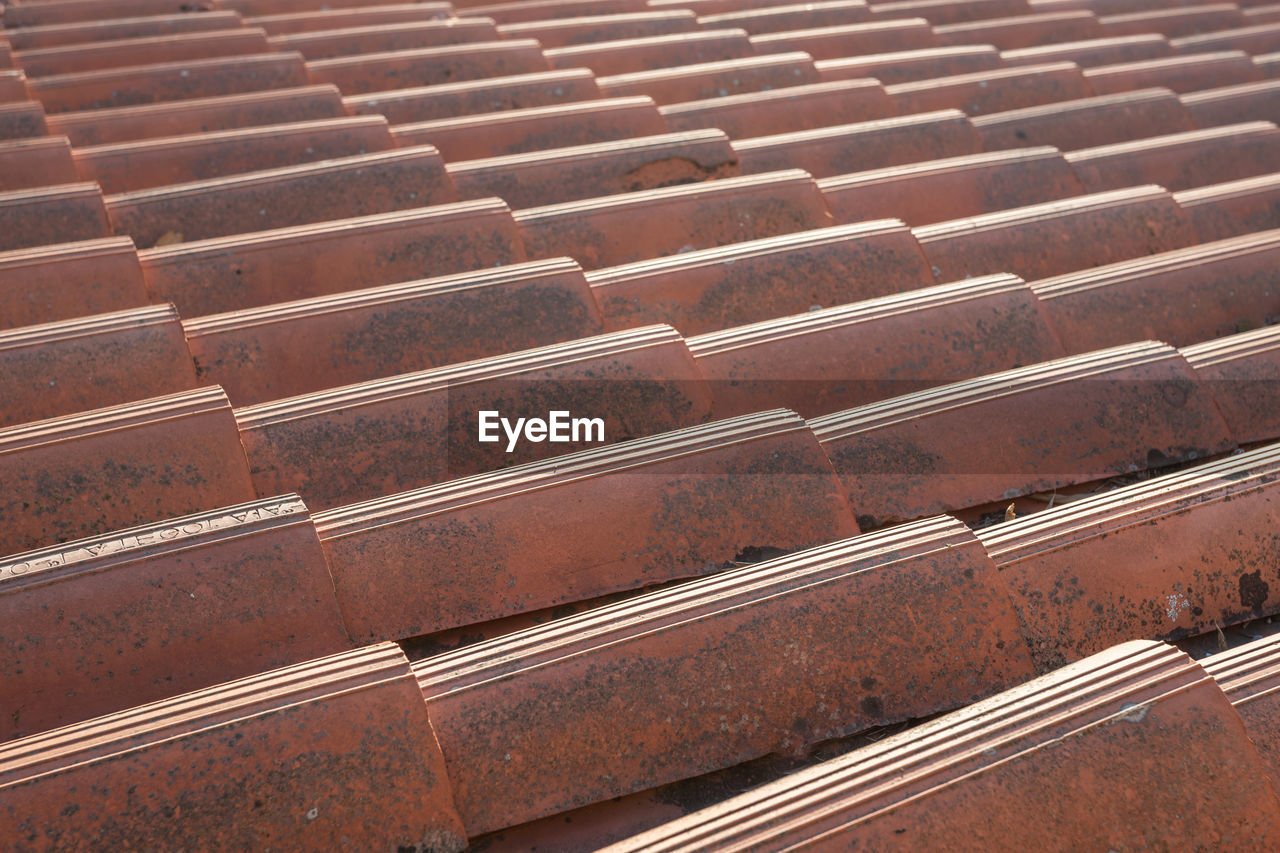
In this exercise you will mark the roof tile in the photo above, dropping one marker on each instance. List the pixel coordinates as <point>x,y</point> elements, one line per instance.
<point>1248,676</point>
<point>470,97</point>
<point>88,32</point>
<point>162,609</point>
<point>86,474</point>
<point>1023,31</point>
<point>1091,53</point>
<point>940,12</point>
<point>793,108</point>
<point>260,268</point>
<point>384,37</point>
<point>341,188</point>
<point>358,16</point>
<point>804,16</point>
<point>38,161</point>
<point>642,54</point>
<point>770,658</point>
<point>908,65</point>
<point>715,289</point>
<point>52,214</point>
<point>1033,429</point>
<point>302,754</point>
<point>57,282</point>
<point>74,11</point>
<point>399,69</point>
<point>952,188</point>
<point>994,91</point>
<point>379,437</point>
<point>518,11</point>
<point>148,50</point>
<point>833,359</point>
<point>622,229</point>
<point>295,348</point>
<point>592,29</point>
<point>1262,38</point>
<point>20,119</point>
<point>1241,372</point>
<point>1182,160</point>
<point>599,169</point>
<point>71,366</point>
<point>582,525</point>
<point>1234,208</point>
<point>1231,104</point>
<point>1086,122</point>
<point>715,79</point>
<point>1185,21</point>
<point>850,39</point>
<point>1179,73</point>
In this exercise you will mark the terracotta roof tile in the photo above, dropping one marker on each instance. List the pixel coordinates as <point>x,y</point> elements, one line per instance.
<point>89,32</point>
<point>382,37</point>
<point>599,169</point>
<point>448,100</point>
<point>805,16</point>
<point>1059,236</point>
<point>52,214</point>
<point>1236,207</point>
<point>715,7</point>
<point>1230,104</point>
<point>715,289</point>
<point>399,69</point>
<point>765,659</point>
<point>850,39</point>
<point>1240,372</point>
<point>952,188</point>
<point>534,536</point>
<point>866,145</point>
<point>358,442</point>
<point>939,12</point>
<point>1263,14</point>
<point>36,162</point>
<point>358,16</point>
<point>90,473</point>
<point>905,66</point>
<point>13,86</point>
<point>1033,429</point>
<point>1086,122</point>
<point>71,366</point>
<point>174,81</point>
<point>1268,64</point>
<point>295,348</point>
<point>198,115</point>
<point>148,50</point>
<point>1185,21</point>
<point>536,128</point>
<point>1257,39</point>
<point>248,270</point>
<point>1204,535</point>
<point>994,91</point>
<point>256,8</point>
<point>1024,30</point>
<point>143,163</point>
<point>786,110</point>
<point>340,188</point>
<point>1182,160</point>
<point>622,229</point>
<point>302,754</point>
<point>715,79</point>
<point>642,54</point>
<point>57,282</point>
<point>1111,7</point>
<point>1179,73</point>
<point>833,359</point>
<point>1248,676</point>
<point>1182,297</point>
<point>85,11</point>
<point>519,11</point>
<point>21,119</point>
<point>592,29</point>
<point>1093,52</point>
<point>162,609</point>
<point>1138,710</point>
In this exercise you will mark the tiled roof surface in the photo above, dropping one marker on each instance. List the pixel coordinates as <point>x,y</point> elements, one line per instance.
<point>935,351</point>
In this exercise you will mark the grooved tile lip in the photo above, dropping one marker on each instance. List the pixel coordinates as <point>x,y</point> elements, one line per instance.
<point>906,55</point>
<point>1103,687</point>
<point>75,559</point>
<point>107,74</point>
<point>775,11</point>
<point>1228,189</point>
<point>1247,673</point>
<point>592,150</point>
<point>869,310</point>
<point>645,41</point>
<point>19,198</point>
<point>483,120</point>
<point>372,99</point>
<point>593,20</point>
<point>86,327</point>
<point>994,75</point>
<point>1158,14</point>
<point>293,234</point>
<point>447,50</point>
<point>287,40</point>
<point>819,134</point>
<point>213,137</point>
<point>1018,20</point>
<point>840,29</point>
<point>679,71</point>
<point>1231,347</point>
<point>1209,95</point>
<point>266,176</point>
<point>1191,257</point>
<point>664,195</point>
<point>947,165</point>
<point>1234,32</point>
<point>720,255</point>
<point>1063,526</point>
<point>139,41</point>
<point>36,256</point>
<point>185,404</point>
<point>1166,62</point>
<point>193,104</point>
<point>627,456</point>
<point>1153,93</point>
<point>983,389</point>
<point>762,98</point>
<point>1082,44</point>
<point>574,636</point>
<point>1190,137</point>
<point>74,746</point>
<point>339,303</point>
<point>454,375</point>
<point>1042,212</point>
<point>258,20</point>
<point>230,17</point>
